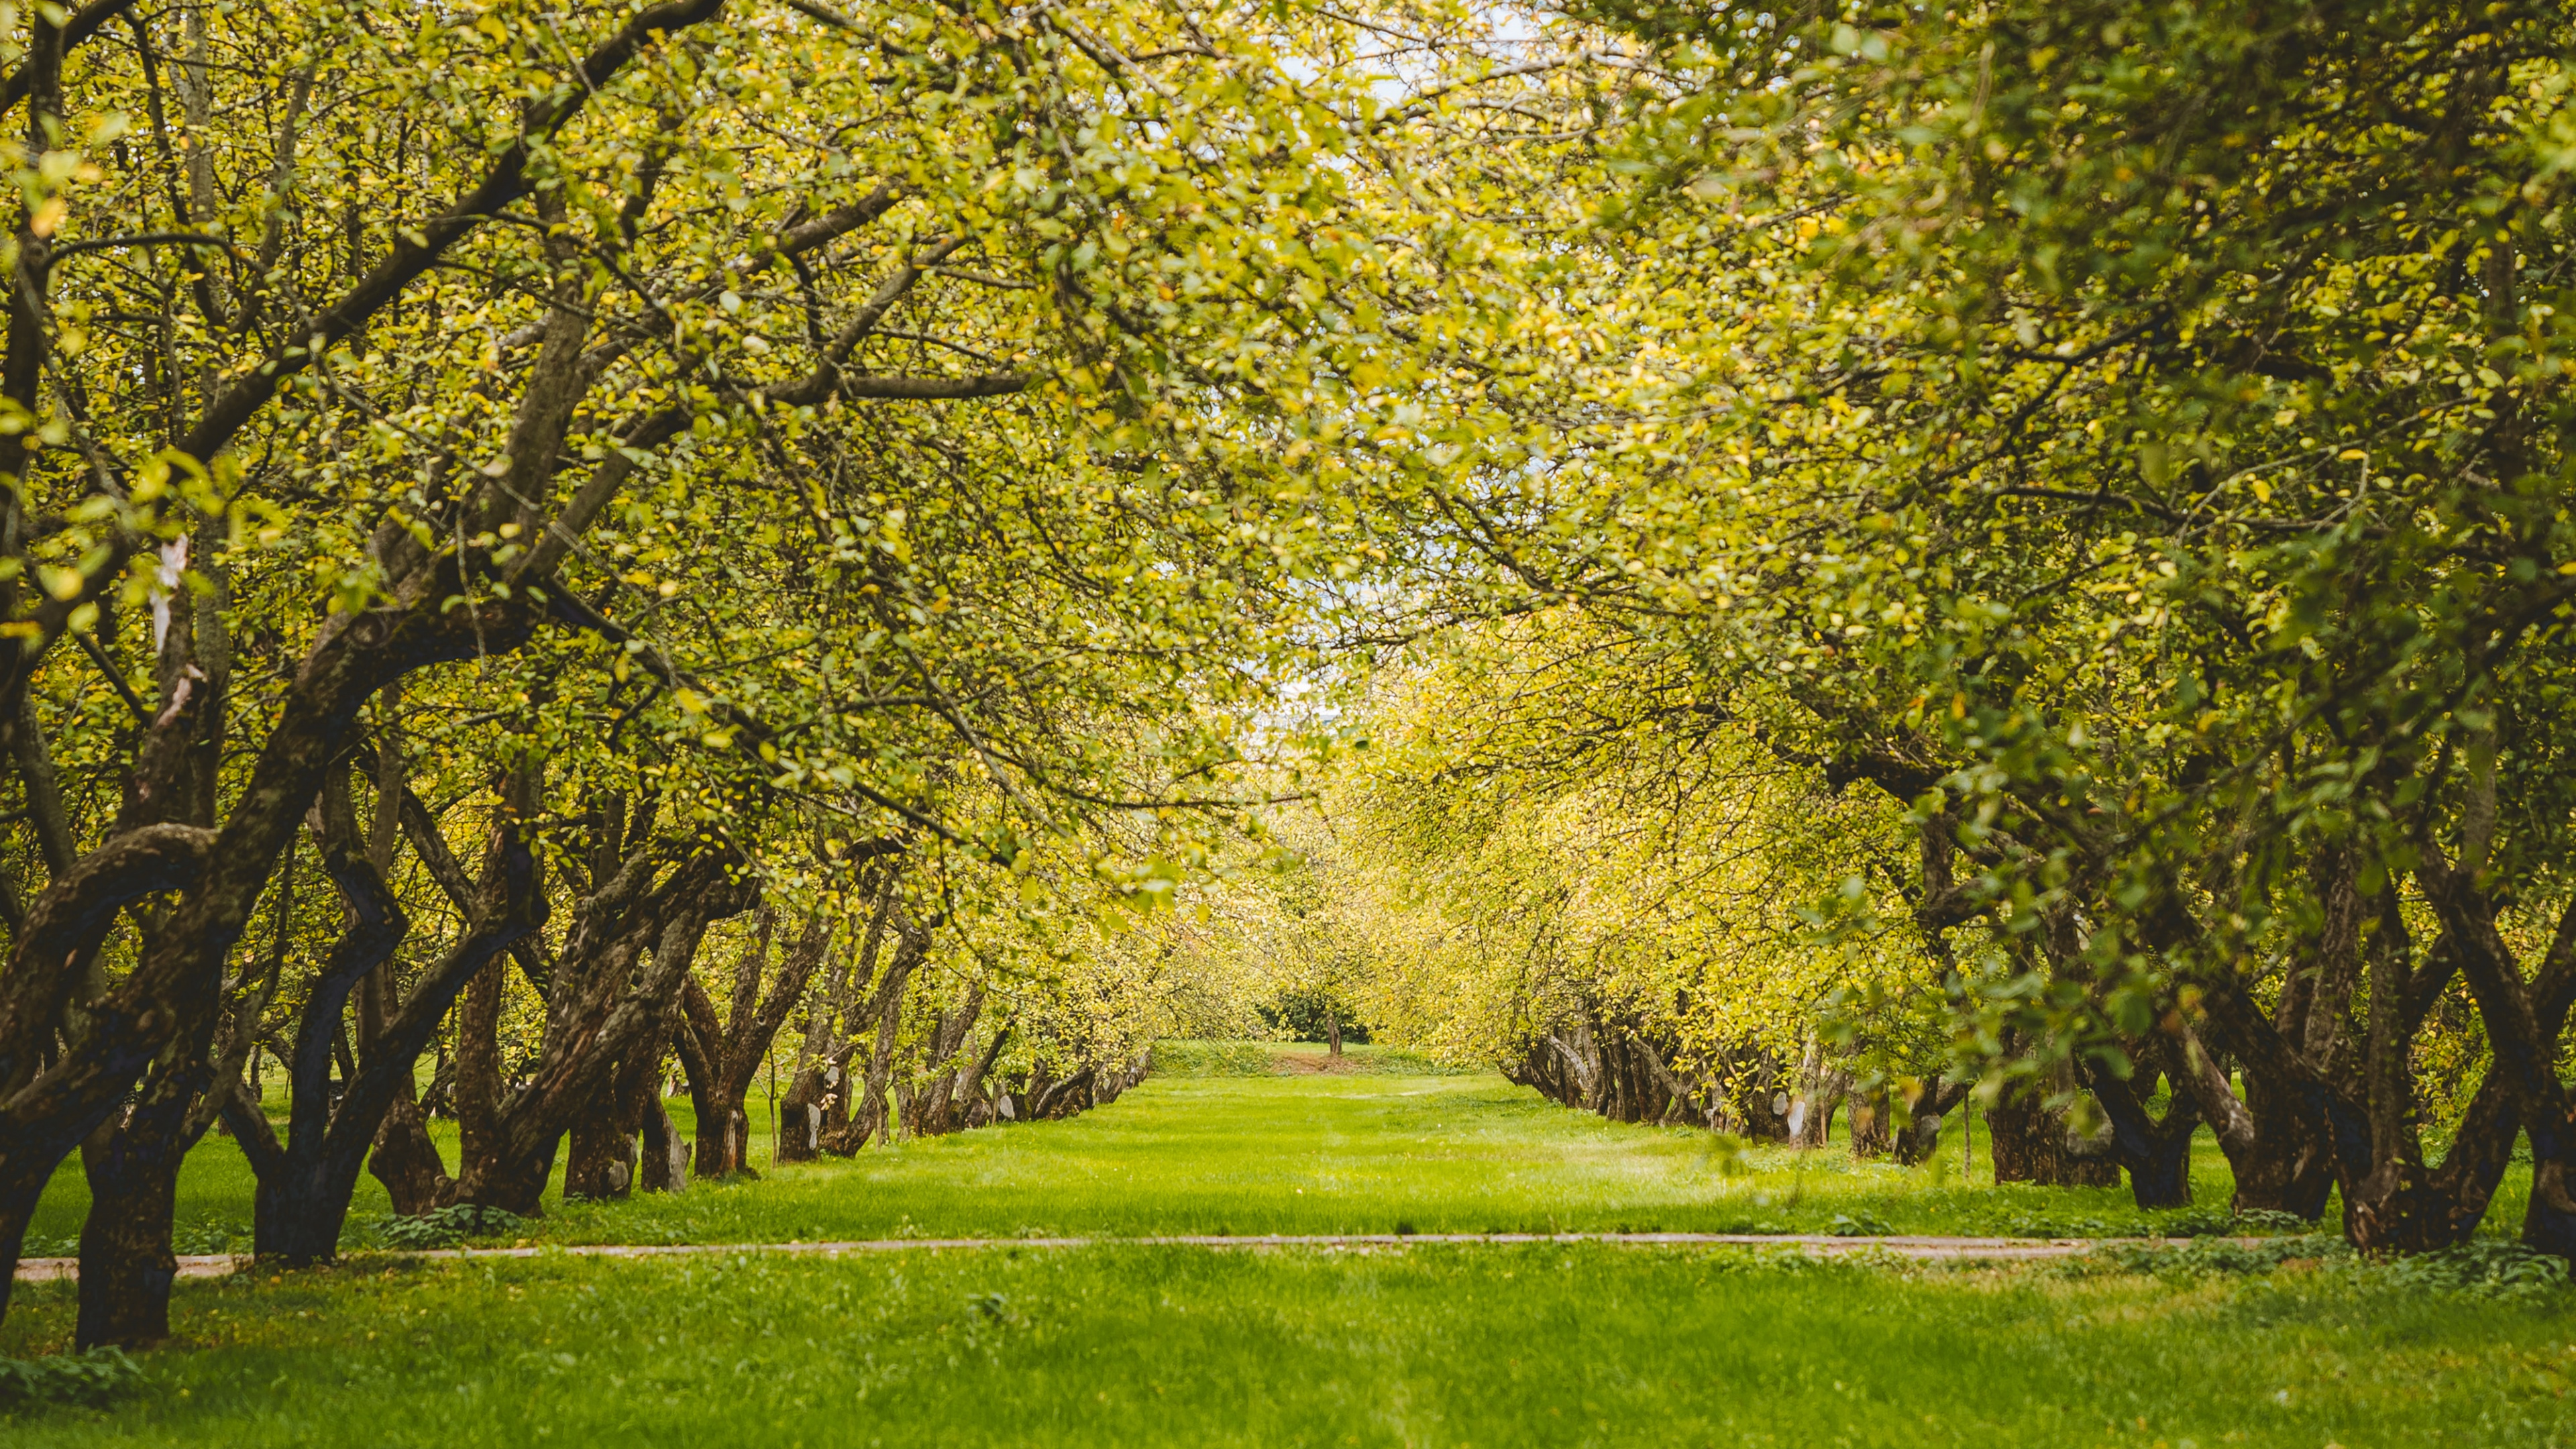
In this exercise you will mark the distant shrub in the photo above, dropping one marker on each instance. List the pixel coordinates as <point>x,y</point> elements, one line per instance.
<point>2483,1268</point>
<point>1402,1062</point>
<point>2253,1223</point>
<point>446,1227</point>
<point>211,1236</point>
<point>1213,1059</point>
<point>2212,1255</point>
<point>1305,1016</point>
<point>2027,1225</point>
<point>92,1377</point>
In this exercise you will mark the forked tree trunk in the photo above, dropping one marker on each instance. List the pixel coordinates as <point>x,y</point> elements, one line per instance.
<point>306,1181</point>
<point>868,1117</point>
<point>931,1111</point>
<point>802,1111</point>
<point>2404,1206</point>
<point>722,1059</point>
<point>607,1001</point>
<point>2156,1152</point>
<point>1921,1136</point>
<point>406,1160</point>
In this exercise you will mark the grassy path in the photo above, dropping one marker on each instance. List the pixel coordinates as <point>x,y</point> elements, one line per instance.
<point>882,1327</point>
<point>1990,1250</point>
<point>1308,1155</point>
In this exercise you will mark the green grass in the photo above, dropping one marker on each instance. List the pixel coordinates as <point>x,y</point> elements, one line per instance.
<point>1364,1151</point>
<point>1333,1154</point>
<point>1293,1058</point>
<point>1419,1346</point>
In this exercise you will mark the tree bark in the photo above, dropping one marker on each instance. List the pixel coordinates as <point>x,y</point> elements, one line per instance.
<point>126,1266</point>
<point>665,1165</point>
<point>885,1011</point>
<point>2156,1152</point>
<point>1872,1126</point>
<point>2029,1144</point>
<point>800,1117</point>
<point>607,1001</point>
<point>1922,1133</point>
<point>606,1158</point>
<point>727,1055</point>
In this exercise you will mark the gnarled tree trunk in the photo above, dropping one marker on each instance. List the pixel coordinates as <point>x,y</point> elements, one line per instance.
<point>613,988</point>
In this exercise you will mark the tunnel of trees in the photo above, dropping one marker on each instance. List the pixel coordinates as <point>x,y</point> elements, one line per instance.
<point>1747,567</point>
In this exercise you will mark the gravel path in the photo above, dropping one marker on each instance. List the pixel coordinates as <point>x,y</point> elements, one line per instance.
<point>2001,1250</point>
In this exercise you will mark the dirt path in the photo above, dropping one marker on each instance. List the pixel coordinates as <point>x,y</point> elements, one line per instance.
<point>2000,1250</point>
<point>1307,1064</point>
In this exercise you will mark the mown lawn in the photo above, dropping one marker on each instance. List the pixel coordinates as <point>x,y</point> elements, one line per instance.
<point>1421,1345</point>
<point>1417,1346</point>
<point>1357,1151</point>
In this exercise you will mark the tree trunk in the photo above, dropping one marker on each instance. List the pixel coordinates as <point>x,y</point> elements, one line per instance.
<point>722,1058</point>
<point>1820,1090</point>
<point>407,1161</point>
<point>724,1131</point>
<point>2156,1153</point>
<point>1872,1127</point>
<point>477,1092</point>
<point>1750,1102</point>
<point>869,1117</point>
<point>933,1111</point>
<point>665,1166</point>
<point>800,1117</point>
<point>2402,1206</point>
<point>839,1087</point>
<point>602,1163</point>
<point>2549,1223</point>
<point>724,1137</point>
<point>613,992</point>
<point>2028,1144</point>
<point>126,1267</point>
<point>2285,1164</point>
<point>1922,1133</point>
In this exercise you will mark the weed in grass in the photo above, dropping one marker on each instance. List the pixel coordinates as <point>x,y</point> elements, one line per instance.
<point>93,1378</point>
<point>446,1227</point>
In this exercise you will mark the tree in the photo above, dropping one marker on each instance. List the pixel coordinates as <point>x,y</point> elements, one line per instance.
<point>515,360</point>
<point>2101,431</point>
